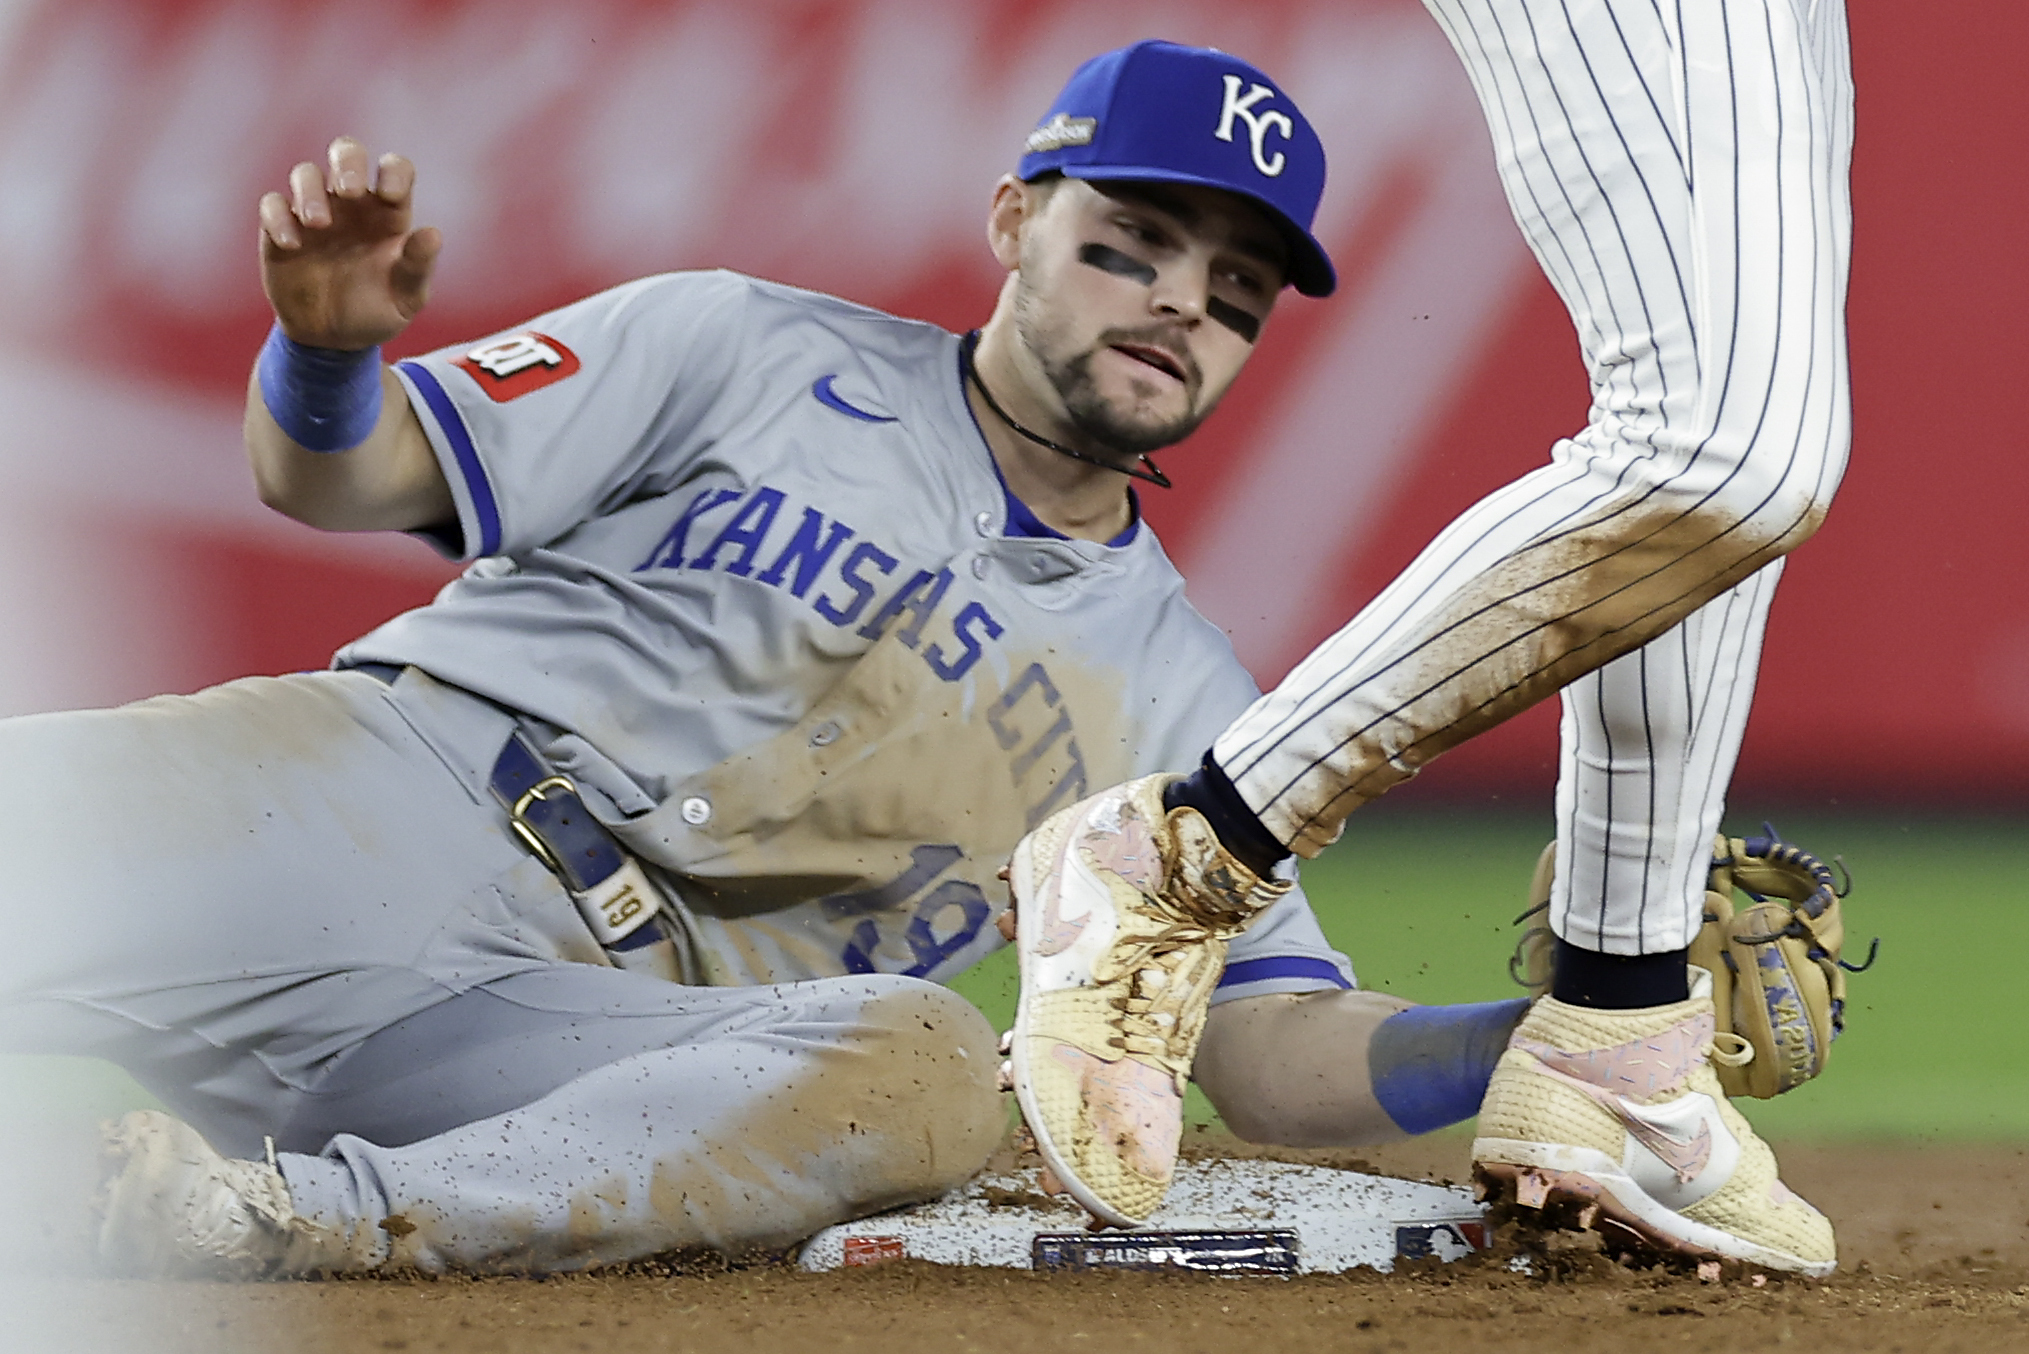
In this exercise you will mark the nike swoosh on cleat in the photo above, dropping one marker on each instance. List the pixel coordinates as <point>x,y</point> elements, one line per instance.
<point>1058,935</point>
<point>1119,844</point>
<point>1686,1157</point>
<point>831,399</point>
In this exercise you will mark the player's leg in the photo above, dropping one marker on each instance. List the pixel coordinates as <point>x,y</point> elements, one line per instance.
<point>1606,1099</point>
<point>1348,1068</point>
<point>578,1116</point>
<point>1702,253</point>
<point>1649,744</point>
<point>222,892</point>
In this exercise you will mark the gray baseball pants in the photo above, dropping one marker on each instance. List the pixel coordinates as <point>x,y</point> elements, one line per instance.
<point>289,907</point>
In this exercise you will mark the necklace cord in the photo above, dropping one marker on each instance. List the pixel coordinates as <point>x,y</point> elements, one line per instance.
<point>1147,470</point>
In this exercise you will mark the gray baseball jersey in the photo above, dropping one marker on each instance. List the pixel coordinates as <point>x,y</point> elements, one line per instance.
<point>744,562</point>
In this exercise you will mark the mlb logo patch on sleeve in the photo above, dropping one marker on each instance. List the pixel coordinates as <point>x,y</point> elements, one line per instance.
<point>508,368</point>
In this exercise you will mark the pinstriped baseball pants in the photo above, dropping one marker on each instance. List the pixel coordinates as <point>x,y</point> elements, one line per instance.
<point>1679,168</point>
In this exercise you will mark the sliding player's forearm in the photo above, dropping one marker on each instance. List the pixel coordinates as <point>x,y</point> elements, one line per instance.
<point>388,480</point>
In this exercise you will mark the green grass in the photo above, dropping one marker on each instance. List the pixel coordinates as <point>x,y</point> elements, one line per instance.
<point>1935,1044</point>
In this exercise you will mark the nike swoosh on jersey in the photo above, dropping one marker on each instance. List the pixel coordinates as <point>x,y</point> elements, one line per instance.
<point>831,399</point>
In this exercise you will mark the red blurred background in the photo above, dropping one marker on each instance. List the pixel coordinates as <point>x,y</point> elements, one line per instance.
<point>851,147</point>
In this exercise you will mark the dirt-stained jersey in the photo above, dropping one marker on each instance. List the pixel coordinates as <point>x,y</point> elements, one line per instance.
<point>743,557</point>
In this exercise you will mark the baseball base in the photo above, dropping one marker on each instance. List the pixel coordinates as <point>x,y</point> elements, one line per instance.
<point>1221,1217</point>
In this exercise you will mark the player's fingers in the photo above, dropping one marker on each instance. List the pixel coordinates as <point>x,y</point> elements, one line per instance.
<point>419,252</point>
<point>278,223</point>
<point>397,179</point>
<point>1005,924</point>
<point>306,194</point>
<point>410,276</point>
<point>348,161</point>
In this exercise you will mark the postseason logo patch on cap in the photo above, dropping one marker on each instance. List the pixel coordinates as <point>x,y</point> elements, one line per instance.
<point>1059,132</point>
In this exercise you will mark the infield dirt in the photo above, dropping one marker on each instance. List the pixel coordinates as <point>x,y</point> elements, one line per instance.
<point>1934,1241</point>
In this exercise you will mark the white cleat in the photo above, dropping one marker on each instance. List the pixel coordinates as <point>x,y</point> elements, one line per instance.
<point>1616,1119</point>
<point>1124,912</point>
<point>174,1208</point>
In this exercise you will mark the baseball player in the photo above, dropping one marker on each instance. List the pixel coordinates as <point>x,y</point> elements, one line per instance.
<point>598,908</point>
<point>1680,172</point>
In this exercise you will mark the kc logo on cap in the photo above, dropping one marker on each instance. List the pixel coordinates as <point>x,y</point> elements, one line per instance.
<point>1258,124</point>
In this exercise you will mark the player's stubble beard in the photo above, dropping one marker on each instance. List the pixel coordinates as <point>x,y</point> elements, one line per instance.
<point>1068,369</point>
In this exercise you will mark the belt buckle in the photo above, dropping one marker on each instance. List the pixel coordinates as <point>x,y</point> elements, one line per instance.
<point>517,819</point>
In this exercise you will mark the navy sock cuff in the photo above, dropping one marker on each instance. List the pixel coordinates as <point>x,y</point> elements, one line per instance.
<point>1430,1064</point>
<point>325,399</point>
<point>1210,792</point>
<point>1618,982</point>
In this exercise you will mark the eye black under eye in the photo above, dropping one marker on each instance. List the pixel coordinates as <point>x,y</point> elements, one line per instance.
<point>1239,321</point>
<point>1107,259</point>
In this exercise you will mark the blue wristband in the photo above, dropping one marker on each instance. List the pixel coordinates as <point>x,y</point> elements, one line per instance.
<point>325,399</point>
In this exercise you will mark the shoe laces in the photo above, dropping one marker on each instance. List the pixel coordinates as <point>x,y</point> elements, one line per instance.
<point>1153,1004</point>
<point>1208,884</point>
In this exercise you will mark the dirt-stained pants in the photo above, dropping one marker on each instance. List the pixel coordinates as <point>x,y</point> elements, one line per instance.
<point>1680,172</point>
<point>282,909</point>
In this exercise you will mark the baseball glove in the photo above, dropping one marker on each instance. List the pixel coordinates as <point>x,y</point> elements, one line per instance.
<point>1778,981</point>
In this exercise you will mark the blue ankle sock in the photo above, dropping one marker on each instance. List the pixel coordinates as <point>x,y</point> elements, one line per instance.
<point>1431,1064</point>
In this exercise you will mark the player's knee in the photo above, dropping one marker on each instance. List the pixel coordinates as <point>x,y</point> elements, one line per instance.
<point>929,1058</point>
<point>1766,512</point>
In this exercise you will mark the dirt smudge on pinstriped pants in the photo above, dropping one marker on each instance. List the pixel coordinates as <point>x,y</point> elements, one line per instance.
<point>1522,631</point>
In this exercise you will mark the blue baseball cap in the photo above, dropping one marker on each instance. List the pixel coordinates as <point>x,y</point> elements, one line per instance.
<point>1174,114</point>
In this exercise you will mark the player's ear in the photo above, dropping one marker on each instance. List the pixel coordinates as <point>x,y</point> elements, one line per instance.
<point>1015,205</point>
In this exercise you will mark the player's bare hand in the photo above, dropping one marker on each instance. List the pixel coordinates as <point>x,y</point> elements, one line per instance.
<point>341,262</point>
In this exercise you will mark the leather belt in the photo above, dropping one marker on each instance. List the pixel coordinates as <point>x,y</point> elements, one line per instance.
<point>548,816</point>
